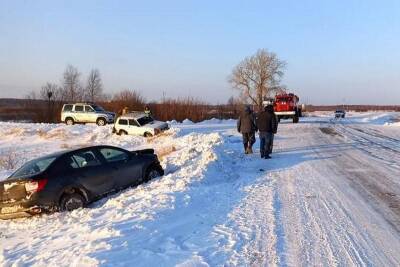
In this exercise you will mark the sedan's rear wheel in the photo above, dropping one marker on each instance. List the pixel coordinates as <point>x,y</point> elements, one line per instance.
<point>152,173</point>
<point>72,202</point>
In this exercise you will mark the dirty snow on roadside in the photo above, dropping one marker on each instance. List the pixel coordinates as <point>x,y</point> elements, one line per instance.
<point>329,196</point>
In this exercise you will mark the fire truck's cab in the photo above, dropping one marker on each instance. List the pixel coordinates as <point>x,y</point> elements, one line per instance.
<point>286,107</point>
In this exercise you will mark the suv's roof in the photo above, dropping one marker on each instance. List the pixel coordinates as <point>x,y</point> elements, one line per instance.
<point>83,103</point>
<point>133,115</point>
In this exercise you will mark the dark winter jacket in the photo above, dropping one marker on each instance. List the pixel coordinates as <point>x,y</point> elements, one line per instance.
<point>266,121</point>
<point>247,122</point>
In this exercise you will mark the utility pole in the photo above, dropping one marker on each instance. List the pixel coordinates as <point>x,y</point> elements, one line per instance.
<point>49,95</point>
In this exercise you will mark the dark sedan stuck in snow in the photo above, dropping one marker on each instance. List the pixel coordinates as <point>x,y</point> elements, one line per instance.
<point>71,179</point>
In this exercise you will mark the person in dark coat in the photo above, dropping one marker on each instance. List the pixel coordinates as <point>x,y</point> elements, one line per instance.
<point>276,122</point>
<point>267,125</point>
<point>147,111</point>
<point>246,125</point>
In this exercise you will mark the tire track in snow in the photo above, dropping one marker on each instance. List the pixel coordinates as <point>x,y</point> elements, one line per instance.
<point>326,221</point>
<point>251,230</point>
<point>373,144</point>
<point>249,236</point>
<point>361,245</point>
<point>279,229</point>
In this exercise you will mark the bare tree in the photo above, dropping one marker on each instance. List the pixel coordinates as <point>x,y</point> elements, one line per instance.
<point>52,94</point>
<point>72,89</point>
<point>50,88</point>
<point>257,76</point>
<point>94,87</point>
<point>131,99</point>
<point>31,95</point>
<point>280,89</point>
<point>234,105</point>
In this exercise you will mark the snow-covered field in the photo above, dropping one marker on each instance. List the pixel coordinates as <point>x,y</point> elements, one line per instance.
<point>330,196</point>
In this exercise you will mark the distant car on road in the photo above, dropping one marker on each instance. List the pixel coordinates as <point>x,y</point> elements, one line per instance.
<point>71,179</point>
<point>86,113</point>
<point>340,113</point>
<point>138,123</point>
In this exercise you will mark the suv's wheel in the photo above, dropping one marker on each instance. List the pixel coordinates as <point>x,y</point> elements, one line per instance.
<point>152,173</point>
<point>72,202</point>
<point>101,122</point>
<point>147,134</point>
<point>69,121</point>
<point>122,132</point>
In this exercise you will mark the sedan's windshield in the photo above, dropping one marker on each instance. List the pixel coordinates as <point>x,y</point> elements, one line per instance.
<point>97,108</point>
<point>33,167</point>
<point>145,120</point>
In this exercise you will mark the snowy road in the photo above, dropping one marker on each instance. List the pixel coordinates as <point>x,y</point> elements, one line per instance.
<point>330,196</point>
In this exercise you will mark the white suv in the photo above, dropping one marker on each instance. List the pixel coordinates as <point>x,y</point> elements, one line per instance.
<point>138,123</point>
<point>86,113</point>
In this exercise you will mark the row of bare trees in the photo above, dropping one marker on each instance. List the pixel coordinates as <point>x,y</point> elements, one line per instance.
<point>72,88</point>
<point>255,77</point>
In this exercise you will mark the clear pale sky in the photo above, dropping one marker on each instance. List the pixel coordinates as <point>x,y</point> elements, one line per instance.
<point>336,51</point>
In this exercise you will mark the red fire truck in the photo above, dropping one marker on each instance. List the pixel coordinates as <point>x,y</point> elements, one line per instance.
<point>286,106</point>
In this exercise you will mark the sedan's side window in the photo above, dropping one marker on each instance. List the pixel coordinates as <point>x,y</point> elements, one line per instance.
<point>133,123</point>
<point>83,159</point>
<point>113,155</point>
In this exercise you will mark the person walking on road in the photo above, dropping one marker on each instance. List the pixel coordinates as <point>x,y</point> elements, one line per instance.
<point>267,125</point>
<point>275,130</point>
<point>246,125</point>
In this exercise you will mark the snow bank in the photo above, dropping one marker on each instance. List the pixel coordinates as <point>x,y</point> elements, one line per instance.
<point>373,118</point>
<point>123,226</point>
<point>394,124</point>
<point>187,121</point>
<point>376,119</point>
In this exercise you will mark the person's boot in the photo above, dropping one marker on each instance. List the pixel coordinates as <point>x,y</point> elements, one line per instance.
<point>245,149</point>
<point>267,156</point>
<point>250,150</point>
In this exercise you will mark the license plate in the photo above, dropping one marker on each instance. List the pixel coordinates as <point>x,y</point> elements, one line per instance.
<point>10,209</point>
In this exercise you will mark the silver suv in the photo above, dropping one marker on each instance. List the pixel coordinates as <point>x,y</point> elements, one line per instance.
<point>86,113</point>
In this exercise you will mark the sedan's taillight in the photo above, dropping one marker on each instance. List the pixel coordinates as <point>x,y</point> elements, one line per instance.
<point>35,186</point>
